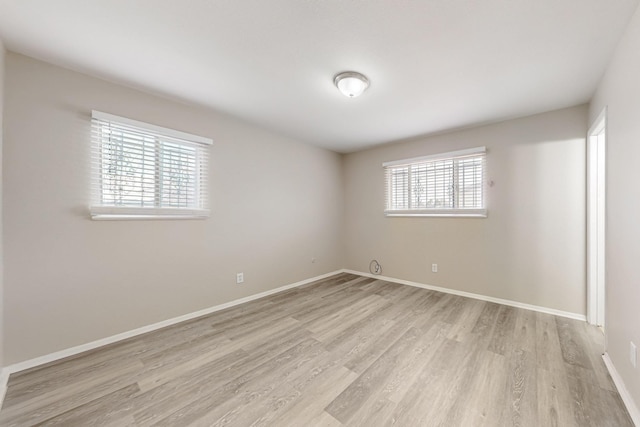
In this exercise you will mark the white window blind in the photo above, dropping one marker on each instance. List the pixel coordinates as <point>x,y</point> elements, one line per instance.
<point>448,184</point>
<point>146,171</point>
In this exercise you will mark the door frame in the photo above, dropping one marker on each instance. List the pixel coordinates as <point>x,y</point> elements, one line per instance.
<point>596,219</point>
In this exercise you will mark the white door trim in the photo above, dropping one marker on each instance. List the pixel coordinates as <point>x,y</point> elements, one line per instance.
<point>596,202</point>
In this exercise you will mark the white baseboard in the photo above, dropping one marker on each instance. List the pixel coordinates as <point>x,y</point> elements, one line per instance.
<point>52,357</point>
<point>622,390</point>
<point>475,296</point>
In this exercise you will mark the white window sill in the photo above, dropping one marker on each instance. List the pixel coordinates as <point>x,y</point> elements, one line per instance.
<point>440,213</point>
<point>104,213</point>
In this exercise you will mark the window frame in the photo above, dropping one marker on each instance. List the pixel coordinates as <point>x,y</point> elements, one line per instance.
<point>455,157</point>
<point>192,149</point>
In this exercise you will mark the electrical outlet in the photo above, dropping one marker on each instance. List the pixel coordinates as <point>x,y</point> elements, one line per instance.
<point>434,268</point>
<point>633,354</point>
<point>239,277</point>
<point>313,260</point>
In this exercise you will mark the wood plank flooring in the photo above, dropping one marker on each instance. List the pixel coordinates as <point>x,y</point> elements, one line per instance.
<point>344,351</point>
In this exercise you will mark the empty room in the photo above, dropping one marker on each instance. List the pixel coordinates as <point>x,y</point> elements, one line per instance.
<point>319,213</point>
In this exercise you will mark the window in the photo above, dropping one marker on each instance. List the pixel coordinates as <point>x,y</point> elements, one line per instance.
<point>448,184</point>
<point>146,171</point>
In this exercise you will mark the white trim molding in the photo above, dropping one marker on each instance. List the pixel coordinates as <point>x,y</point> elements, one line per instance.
<point>633,410</point>
<point>596,222</point>
<point>517,304</point>
<point>52,357</point>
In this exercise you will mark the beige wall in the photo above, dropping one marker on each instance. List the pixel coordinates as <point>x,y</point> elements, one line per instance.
<point>619,90</point>
<point>2,59</point>
<point>276,203</point>
<point>530,249</point>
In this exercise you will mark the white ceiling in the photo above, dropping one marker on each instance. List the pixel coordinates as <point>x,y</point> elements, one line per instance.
<point>434,65</point>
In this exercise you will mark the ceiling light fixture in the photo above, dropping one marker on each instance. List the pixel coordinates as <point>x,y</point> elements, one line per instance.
<point>351,84</point>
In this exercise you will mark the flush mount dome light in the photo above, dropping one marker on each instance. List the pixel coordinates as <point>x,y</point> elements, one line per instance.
<point>351,84</point>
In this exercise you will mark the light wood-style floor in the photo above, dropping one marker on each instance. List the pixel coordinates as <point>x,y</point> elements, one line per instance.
<point>347,350</point>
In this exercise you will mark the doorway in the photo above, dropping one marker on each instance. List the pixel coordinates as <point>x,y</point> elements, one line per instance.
<point>596,187</point>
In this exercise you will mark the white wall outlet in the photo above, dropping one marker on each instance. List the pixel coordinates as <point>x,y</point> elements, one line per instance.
<point>313,260</point>
<point>239,277</point>
<point>633,354</point>
<point>434,268</point>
